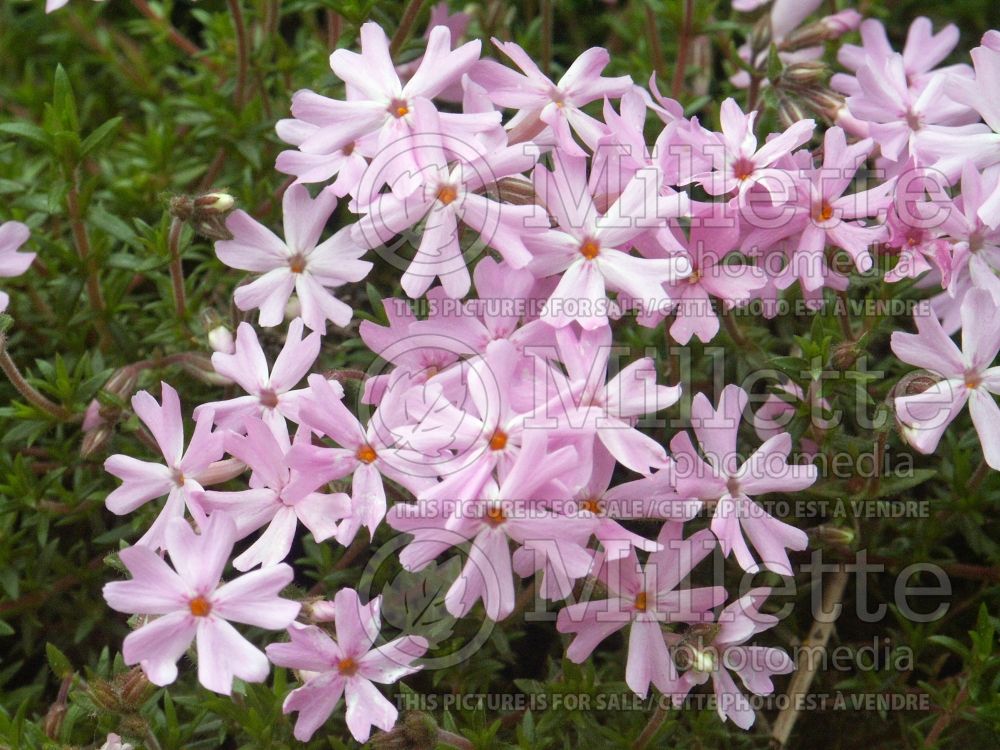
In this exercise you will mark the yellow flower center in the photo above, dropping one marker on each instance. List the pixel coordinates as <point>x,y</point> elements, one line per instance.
<point>640,602</point>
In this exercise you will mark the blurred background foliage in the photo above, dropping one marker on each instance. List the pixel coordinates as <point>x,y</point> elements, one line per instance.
<point>108,111</point>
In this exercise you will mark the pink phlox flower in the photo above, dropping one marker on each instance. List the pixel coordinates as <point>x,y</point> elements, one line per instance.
<point>819,214</point>
<point>644,598</point>
<point>722,478</point>
<point>714,650</point>
<point>736,162</point>
<point>13,234</point>
<point>182,473</point>
<point>713,236</point>
<point>542,104</point>
<point>270,500</point>
<point>346,666</point>
<point>458,25</point>
<point>592,250</point>
<point>923,51</point>
<point>416,357</point>
<point>966,376</point>
<point>649,497</point>
<point>348,162</point>
<point>379,105</point>
<point>904,121</point>
<point>365,453</point>
<point>444,196</point>
<point>270,393</point>
<point>299,263</point>
<point>609,408</point>
<point>189,605</point>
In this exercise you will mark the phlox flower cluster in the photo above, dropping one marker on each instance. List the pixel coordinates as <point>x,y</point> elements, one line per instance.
<point>524,437</point>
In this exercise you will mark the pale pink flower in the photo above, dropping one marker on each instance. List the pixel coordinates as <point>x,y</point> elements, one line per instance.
<point>346,666</point>
<point>189,605</point>
<point>182,473</point>
<point>644,598</point>
<point>512,510</point>
<point>543,103</point>
<point>648,497</point>
<point>730,484</point>
<point>271,501</point>
<point>966,376</point>
<point>364,453</point>
<point>818,213</point>
<point>299,262</point>
<point>13,234</point>
<point>448,194</point>
<point>381,108</point>
<point>713,236</point>
<point>271,397</point>
<point>735,162</point>
<point>608,408</point>
<point>714,650</point>
<point>592,250</point>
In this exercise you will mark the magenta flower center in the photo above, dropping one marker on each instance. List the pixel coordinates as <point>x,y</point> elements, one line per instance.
<point>972,379</point>
<point>742,169</point>
<point>268,398</point>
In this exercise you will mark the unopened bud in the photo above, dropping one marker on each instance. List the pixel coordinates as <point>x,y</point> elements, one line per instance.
<point>104,695</point>
<point>122,382</point>
<point>803,75</point>
<point>824,102</point>
<point>218,202</point>
<point>832,536</point>
<point>220,339</point>
<point>417,731</point>
<point>760,37</point>
<point>845,355</point>
<point>114,742</point>
<point>841,23</point>
<point>789,111</point>
<point>135,689</point>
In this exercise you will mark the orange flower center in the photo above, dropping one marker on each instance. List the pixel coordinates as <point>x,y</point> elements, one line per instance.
<point>495,515</point>
<point>499,441</point>
<point>593,505</point>
<point>366,454</point>
<point>199,606</point>
<point>347,666</point>
<point>640,602</point>
<point>825,212</point>
<point>972,379</point>
<point>447,194</point>
<point>297,263</point>
<point>398,108</point>
<point>589,249</point>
